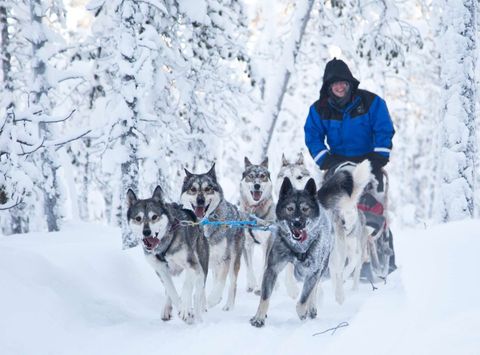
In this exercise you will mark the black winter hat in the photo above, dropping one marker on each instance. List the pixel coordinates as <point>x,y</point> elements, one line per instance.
<point>337,70</point>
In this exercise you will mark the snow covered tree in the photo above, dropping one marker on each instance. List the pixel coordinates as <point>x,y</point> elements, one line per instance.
<point>457,123</point>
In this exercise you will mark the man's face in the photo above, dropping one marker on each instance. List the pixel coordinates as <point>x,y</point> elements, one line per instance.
<point>340,88</point>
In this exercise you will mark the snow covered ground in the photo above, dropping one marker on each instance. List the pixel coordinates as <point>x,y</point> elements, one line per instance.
<point>77,292</point>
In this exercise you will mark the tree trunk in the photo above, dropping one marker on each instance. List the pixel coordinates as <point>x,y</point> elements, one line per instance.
<point>40,89</point>
<point>296,40</point>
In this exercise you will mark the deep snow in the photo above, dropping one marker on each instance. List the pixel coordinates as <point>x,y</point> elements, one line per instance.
<point>77,292</point>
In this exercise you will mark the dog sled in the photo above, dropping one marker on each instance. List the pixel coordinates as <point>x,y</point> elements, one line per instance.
<point>380,255</point>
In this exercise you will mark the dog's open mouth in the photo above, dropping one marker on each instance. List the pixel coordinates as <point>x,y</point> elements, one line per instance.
<point>151,242</point>
<point>200,211</point>
<point>257,195</point>
<point>299,234</point>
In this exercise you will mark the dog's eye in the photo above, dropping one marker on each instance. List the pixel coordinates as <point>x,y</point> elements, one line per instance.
<point>138,219</point>
<point>262,176</point>
<point>290,209</point>
<point>305,209</point>
<point>193,190</point>
<point>208,189</point>
<point>154,217</point>
<point>299,177</point>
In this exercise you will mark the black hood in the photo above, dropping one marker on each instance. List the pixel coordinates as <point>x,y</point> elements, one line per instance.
<point>337,70</point>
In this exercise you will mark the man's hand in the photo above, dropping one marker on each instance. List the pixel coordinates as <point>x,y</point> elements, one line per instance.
<point>330,161</point>
<point>377,160</point>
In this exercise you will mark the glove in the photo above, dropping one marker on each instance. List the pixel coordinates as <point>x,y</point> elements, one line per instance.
<point>377,160</point>
<point>330,161</point>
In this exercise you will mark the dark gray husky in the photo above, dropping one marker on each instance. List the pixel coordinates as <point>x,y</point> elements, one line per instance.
<point>303,237</point>
<point>203,195</point>
<point>171,247</point>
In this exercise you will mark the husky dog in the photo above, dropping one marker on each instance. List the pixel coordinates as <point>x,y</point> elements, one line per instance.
<point>256,198</point>
<point>170,248</point>
<point>304,238</point>
<point>340,194</point>
<point>298,174</point>
<point>202,194</point>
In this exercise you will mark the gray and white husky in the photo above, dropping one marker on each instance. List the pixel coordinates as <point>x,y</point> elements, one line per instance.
<point>298,174</point>
<point>340,194</point>
<point>171,247</point>
<point>296,171</point>
<point>303,237</point>
<point>203,195</point>
<point>256,198</point>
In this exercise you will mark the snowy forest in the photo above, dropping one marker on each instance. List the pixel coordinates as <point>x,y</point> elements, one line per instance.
<point>101,100</point>
<point>100,96</point>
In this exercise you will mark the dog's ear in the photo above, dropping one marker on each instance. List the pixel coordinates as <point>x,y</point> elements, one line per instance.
<point>300,159</point>
<point>131,197</point>
<point>284,160</point>
<point>310,187</point>
<point>211,172</point>
<point>247,162</point>
<point>187,173</point>
<point>265,163</point>
<point>286,187</point>
<point>158,194</point>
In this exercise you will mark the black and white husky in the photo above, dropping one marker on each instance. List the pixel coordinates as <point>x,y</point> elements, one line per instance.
<point>171,247</point>
<point>303,237</point>
<point>256,198</point>
<point>340,194</point>
<point>204,196</point>
<point>298,174</point>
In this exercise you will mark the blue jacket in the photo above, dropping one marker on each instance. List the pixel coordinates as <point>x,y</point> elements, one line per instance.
<point>361,127</point>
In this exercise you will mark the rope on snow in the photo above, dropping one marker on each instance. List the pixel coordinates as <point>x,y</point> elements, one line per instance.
<point>340,325</point>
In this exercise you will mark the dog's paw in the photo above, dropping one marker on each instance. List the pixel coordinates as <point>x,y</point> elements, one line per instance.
<point>251,286</point>
<point>312,312</point>
<point>187,316</point>
<point>257,322</point>
<point>167,313</point>
<point>302,311</point>
<point>166,316</point>
<point>227,307</point>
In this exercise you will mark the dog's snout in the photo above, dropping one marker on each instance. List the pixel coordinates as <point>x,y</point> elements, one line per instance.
<point>147,232</point>
<point>256,186</point>
<point>200,201</point>
<point>297,224</point>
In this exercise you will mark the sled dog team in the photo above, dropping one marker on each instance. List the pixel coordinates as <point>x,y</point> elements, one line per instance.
<point>310,231</point>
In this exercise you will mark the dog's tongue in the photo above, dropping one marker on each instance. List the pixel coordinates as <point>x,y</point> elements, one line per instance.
<point>257,195</point>
<point>199,211</point>
<point>151,242</point>
<point>300,234</point>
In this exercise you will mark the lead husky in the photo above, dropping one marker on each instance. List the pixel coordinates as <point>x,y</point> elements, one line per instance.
<point>304,238</point>
<point>340,194</point>
<point>202,194</point>
<point>298,174</point>
<point>170,248</point>
<point>256,198</point>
